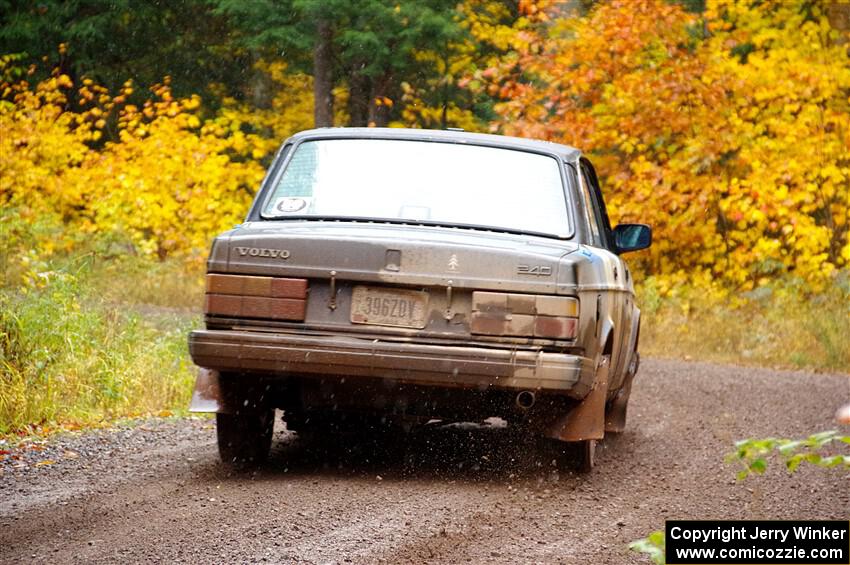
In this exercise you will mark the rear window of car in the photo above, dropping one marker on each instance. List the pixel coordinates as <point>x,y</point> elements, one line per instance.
<point>422,181</point>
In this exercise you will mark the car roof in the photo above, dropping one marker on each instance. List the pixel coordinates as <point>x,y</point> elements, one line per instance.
<point>566,152</point>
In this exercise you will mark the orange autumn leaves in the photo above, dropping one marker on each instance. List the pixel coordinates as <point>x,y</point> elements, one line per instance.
<point>727,131</point>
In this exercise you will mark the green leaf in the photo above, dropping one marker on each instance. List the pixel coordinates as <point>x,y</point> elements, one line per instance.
<point>759,466</point>
<point>830,462</point>
<point>652,545</point>
<point>793,463</point>
<point>788,448</point>
<point>823,438</point>
<point>657,538</point>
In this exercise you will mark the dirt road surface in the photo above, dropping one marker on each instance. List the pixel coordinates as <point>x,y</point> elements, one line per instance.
<point>156,492</point>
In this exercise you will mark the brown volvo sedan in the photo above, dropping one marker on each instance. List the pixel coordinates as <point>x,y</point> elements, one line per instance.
<point>405,276</point>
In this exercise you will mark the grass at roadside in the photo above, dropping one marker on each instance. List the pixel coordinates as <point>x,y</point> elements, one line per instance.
<point>777,326</point>
<point>94,341</point>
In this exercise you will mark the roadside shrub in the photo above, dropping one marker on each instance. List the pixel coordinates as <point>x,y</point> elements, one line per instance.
<point>70,355</point>
<point>753,453</point>
<point>159,174</point>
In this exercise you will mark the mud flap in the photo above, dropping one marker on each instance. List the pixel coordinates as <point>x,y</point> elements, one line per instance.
<point>587,420</point>
<point>615,416</point>
<point>207,396</point>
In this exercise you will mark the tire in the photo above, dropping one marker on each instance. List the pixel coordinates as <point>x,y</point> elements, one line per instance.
<point>579,456</point>
<point>586,455</point>
<point>244,438</point>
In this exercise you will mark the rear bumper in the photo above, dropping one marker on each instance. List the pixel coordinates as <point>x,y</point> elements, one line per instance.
<point>403,362</point>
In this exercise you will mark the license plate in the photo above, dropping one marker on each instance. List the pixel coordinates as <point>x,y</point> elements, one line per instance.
<point>389,307</point>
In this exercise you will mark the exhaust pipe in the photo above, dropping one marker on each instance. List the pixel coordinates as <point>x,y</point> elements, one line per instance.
<point>525,399</point>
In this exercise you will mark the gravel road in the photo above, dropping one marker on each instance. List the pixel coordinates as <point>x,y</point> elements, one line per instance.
<point>155,492</point>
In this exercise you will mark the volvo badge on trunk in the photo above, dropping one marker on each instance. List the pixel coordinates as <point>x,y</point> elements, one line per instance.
<point>263,252</point>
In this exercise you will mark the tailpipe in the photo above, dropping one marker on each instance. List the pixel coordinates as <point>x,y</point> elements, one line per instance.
<point>525,400</point>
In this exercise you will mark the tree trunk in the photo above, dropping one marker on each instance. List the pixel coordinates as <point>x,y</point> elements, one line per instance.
<point>260,87</point>
<point>323,112</point>
<point>379,110</point>
<point>838,14</point>
<point>358,98</point>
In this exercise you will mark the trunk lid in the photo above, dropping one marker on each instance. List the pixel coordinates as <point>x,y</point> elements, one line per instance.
<point>406,255</point>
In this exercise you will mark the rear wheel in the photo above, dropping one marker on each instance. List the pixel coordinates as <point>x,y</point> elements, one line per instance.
<point>579,456</point>
<point>587,455</point>
<point>244,437</point>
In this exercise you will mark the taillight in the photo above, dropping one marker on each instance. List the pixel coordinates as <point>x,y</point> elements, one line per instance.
<point>256,297</point>
<point>529,315</point>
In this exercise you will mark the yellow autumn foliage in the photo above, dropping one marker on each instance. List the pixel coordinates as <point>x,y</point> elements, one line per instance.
<point>168,180</point>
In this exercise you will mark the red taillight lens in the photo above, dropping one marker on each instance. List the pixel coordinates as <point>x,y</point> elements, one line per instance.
<point>527,315</point>
<point>256,297</point>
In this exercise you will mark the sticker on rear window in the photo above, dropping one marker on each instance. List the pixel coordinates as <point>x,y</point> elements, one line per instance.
<point>290,205</point>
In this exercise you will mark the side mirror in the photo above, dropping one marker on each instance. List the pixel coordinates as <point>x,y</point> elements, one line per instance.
<point>632,237</point>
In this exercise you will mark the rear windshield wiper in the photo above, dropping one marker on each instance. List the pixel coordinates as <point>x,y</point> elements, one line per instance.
<point>411,222</point>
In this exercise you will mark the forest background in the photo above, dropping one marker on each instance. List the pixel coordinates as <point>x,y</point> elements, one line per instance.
<point>132,131</point>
